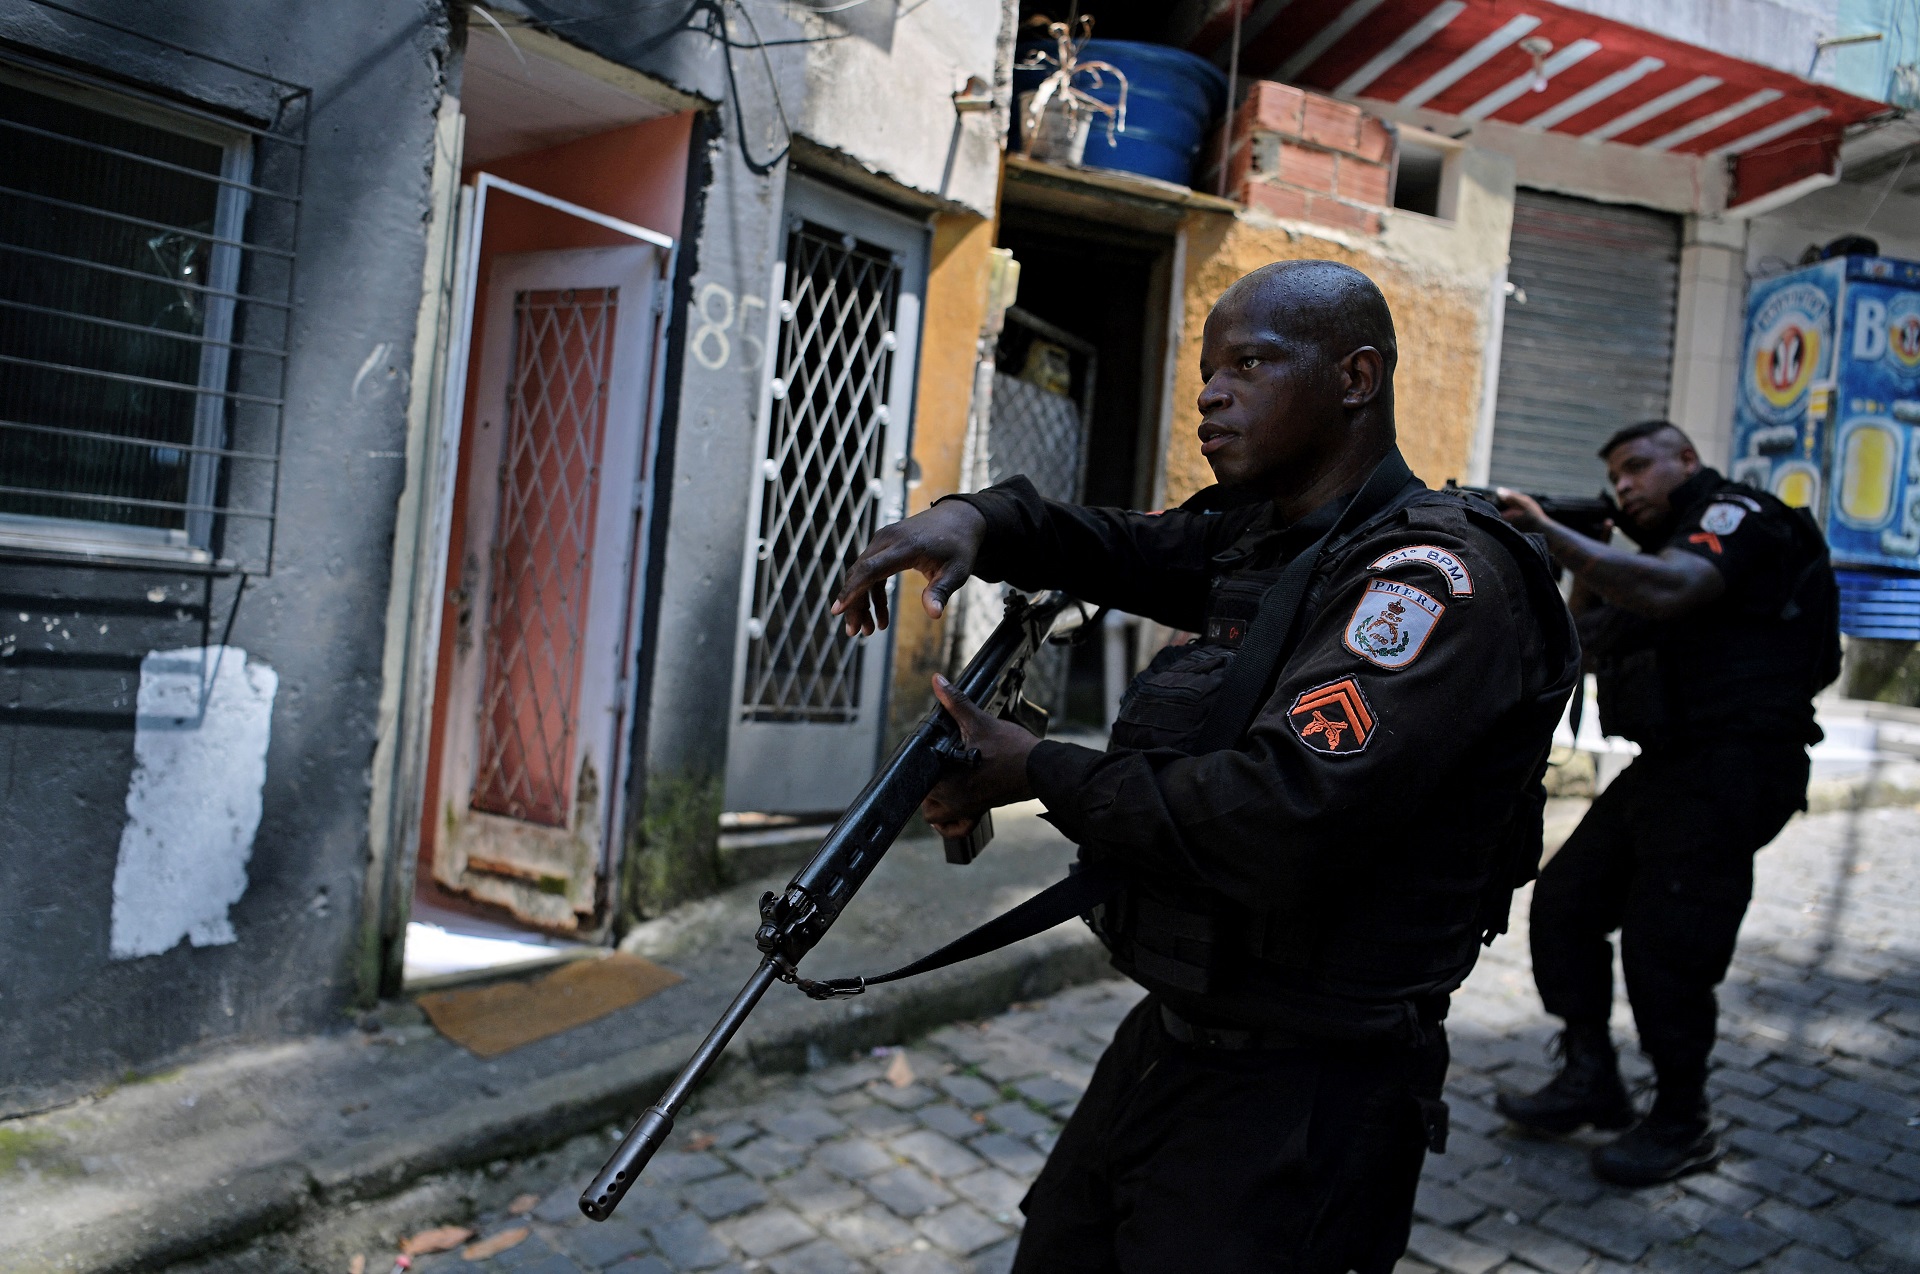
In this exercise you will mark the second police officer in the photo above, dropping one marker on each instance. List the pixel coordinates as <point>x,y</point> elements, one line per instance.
<point>1709,645</point>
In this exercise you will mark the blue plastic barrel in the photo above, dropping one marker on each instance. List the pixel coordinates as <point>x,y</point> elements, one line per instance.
<point>1172,95</point>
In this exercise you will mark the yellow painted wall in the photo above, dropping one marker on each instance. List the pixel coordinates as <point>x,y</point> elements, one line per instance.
<point>1439,319</point>
<point>955,308</point>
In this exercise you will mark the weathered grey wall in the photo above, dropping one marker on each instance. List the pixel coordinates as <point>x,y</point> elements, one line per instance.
<point>71,1017</point>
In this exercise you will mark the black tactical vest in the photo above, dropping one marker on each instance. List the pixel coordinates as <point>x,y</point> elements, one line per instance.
<point>1379,938</point>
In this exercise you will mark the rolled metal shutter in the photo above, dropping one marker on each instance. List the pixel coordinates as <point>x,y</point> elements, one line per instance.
<point>1591,346</point>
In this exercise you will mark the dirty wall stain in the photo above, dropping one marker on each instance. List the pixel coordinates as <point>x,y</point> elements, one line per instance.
<point>193,803</point>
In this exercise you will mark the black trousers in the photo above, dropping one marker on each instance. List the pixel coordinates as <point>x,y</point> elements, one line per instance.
<point>1291,1161</point>
<point>1665,855</point>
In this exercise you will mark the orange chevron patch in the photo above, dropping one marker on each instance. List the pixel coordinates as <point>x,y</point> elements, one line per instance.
<point>1707,538</point>
<point>1334,718</point>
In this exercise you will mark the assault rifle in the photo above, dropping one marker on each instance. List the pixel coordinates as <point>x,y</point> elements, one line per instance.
<point>1589,516</point>
<point>793,921</point>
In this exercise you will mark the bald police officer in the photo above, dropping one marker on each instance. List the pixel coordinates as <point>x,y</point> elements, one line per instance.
<point>1709,645</point>
<point>1314,813</point>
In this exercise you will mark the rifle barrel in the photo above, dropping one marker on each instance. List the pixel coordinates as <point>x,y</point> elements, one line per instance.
<point>646,1137</point>
<point>830,878</point>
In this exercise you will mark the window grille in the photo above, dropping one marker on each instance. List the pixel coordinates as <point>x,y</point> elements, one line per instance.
<point>824,472</point>
<point>146,290</point>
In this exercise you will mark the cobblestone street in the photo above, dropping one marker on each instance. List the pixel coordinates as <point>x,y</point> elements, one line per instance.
<point>850,1169</point>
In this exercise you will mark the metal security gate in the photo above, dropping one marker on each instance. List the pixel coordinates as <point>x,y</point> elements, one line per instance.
<point>810,701</point>
<point>1588,341</point>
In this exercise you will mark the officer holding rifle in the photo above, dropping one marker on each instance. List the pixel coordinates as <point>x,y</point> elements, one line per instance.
<point>1709,646</point>
<point>1316,811</point>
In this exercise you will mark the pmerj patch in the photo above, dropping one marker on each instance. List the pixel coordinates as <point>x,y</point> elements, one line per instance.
<point>193,803</point>
<point>1391,623</point>
<point>1722,519</point>
<point>1459,578</point>
<point>1334,718</point>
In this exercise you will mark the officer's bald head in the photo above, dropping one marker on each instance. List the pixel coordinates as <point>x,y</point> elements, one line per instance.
<point>1335,306</point>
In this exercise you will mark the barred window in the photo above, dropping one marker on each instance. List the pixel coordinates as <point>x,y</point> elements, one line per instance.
<point>142,327</point>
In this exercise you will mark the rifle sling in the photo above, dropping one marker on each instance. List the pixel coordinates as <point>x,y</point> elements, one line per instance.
<point>1083,889</point>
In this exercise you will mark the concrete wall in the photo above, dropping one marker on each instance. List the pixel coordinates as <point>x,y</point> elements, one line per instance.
<point>1708,317</point>
<point>889,106</point>
<point>1778,238</point>
<point>278,959</point>
<point>1587,170</point>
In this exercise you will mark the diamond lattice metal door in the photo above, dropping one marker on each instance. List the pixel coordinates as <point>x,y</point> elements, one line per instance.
<point>552,481</point>
<point>543,547</point>
<point>810,701</point>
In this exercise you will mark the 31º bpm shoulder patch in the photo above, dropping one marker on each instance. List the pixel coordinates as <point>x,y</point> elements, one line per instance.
<point>1392,622</point>
<point>1333,718</point>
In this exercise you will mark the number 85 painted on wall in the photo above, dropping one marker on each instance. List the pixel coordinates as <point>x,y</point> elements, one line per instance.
<point>715,307</point>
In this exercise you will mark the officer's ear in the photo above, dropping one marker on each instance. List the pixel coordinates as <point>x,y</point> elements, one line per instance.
<point>1362,375</point>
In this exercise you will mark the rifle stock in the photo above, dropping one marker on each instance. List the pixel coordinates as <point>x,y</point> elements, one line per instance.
<point>794,921</point>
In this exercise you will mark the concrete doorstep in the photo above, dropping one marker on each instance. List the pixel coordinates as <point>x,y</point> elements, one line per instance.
<point>225,1149</point>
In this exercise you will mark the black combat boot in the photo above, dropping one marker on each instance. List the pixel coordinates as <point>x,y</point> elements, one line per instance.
<point>1674,1139</point>
<point>1586,1091</point>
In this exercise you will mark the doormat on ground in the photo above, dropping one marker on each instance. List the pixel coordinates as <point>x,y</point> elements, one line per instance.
<point>491,1020</point>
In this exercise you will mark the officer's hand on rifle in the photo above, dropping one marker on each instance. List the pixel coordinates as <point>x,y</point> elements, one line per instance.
<point>959,799</point>
<point>940,543</point>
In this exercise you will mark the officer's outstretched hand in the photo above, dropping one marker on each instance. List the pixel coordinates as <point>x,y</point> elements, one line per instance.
<point>962,796</point>
<point>940,543</point>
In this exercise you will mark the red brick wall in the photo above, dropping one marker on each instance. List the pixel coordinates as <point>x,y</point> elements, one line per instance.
<point>1307,157</point>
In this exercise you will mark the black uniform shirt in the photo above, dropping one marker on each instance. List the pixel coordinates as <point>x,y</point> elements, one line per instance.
<point>1421,653</point>
<point>1747,661</point>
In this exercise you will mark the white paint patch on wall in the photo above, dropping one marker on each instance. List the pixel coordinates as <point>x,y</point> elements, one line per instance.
<point>193,804</point>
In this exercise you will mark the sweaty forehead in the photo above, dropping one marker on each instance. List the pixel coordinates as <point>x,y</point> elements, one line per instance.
<point>1263,314</point>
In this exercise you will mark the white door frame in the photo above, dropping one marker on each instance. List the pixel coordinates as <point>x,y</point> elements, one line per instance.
<point>649,325</point>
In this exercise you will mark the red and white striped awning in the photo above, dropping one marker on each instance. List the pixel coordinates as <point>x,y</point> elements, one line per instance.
<point>1604,81</point>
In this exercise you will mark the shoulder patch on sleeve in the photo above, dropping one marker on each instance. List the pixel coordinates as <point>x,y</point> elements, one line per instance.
<point>1334,718</point>
<point>1391,623</point>
<point>1723,518</point>
<point>1459,579</point>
